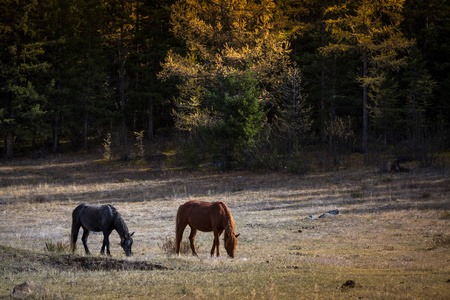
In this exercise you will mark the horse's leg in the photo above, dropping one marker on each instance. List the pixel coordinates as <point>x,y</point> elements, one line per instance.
<point>84,239</point>
<point>216,243</point>
<point>192,240</point>
<point>105,243</point>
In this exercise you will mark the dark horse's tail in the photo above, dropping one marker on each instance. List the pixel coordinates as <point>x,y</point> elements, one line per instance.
<point>75,227</point>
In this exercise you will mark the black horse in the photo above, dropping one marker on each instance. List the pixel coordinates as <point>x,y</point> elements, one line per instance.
<point>104,218</point>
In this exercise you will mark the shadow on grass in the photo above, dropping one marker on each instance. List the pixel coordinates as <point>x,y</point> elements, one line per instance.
<point>288,192</point>
<point>19,260</point>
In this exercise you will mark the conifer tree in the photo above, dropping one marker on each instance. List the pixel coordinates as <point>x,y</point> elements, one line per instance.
<point>21,92</point>
<point>152,40</point>
<point>370,29</point>
<point>224,37</point>
<point>121,23</point>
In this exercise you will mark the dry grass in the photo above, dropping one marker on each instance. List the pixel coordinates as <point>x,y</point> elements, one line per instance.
<point>168,246</point>
<point>390,238</point>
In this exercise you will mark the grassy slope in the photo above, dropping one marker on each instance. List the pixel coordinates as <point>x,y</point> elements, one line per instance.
<point>391,236</point>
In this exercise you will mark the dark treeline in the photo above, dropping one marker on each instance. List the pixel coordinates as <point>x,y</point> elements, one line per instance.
<point>252,83</point>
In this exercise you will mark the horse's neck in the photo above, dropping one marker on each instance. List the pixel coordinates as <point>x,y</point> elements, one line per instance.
<point>120,226</point>
<point>229,228</point>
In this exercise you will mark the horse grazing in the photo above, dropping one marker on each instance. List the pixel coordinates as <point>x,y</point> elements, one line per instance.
<point>97,218</point>
<point>206,217</point>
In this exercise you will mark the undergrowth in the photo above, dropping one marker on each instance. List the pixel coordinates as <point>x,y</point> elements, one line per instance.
<point>58,247</point>
<point>168,246</point>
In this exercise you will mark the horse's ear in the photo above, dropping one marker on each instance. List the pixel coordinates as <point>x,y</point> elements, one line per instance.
<point>131,234</point>
<point>236,235</point>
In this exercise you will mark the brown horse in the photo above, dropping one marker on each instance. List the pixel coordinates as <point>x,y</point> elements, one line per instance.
<point>206,217</point>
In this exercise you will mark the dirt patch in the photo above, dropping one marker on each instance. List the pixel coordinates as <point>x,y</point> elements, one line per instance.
<point>12,257</point>
<point>101,263</point>
<point>349,284</point>
<point>26,290</point>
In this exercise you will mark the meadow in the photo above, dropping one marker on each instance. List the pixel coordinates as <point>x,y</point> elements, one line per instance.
<point>390,239</point>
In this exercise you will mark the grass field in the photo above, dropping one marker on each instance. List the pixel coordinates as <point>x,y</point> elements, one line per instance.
<point>390,240</point>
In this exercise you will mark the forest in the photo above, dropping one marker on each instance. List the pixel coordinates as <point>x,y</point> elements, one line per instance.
<point>250,84</point>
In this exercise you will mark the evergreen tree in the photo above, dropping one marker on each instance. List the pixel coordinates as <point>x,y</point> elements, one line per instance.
<point>21,91</point>
<point>152,40</point>
<point>238,121</point>
<point>295,117</point>
<point>121,24</point>
<point>387,113</point>
<point>372,30</point>
<point>418,92</point>
<point>428,22</point>
<point>225,37</point>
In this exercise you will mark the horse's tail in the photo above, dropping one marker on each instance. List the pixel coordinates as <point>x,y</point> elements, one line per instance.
<point>177,222</point>
<point>75,227</point>
<point>180,225</point>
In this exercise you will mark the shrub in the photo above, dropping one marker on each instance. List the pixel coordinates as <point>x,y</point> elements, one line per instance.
<point>440,240</point>
<point>356,194</point>
<point>58,247</point>
<point>107,154</point>
<point>168,246</point>
<point>139,136</point>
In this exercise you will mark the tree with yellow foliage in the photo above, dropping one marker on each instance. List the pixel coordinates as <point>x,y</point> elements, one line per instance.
<point>224,37</point>
<point>371,29</point>
<point>228,42</point>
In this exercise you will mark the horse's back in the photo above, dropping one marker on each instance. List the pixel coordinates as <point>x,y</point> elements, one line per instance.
<point>93,217</point>
<point>77,212</point>
<point>204,216</point>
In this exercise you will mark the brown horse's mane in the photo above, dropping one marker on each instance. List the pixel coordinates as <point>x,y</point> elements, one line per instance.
<point>229,229</point>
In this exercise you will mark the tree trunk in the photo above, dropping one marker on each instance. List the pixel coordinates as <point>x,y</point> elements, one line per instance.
<point>10,144</point>
<point>322,78</point>
<point>85,131</point>
<point>124,139</point>
<point>151,136</point>
<point>55,135</point>
<point>415,121</point>
<point>365,119</point>
<point>333,91</point>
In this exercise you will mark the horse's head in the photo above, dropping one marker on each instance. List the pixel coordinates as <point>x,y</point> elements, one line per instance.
<point>230,243</point>
<point>126,243</point>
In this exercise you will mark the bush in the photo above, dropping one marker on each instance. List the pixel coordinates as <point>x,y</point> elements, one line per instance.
<point>58,247</point>
<point>107,154</point>
<point>239,118</point>
<point>168,246</point>
<point>439,241</point>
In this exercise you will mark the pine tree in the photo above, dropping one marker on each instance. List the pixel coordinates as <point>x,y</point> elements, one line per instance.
<point>418,89</point>
<point>372,30</point>
<point>121,23</point>
<point>239,120</point>
<point>152,40</point>
<point>21,91</point>
<point>226,37</point>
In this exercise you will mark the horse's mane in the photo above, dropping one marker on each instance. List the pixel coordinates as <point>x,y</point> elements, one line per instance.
<point>229,229</point>
<point>119,222</point>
